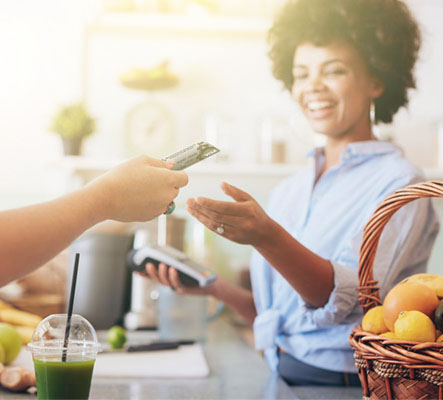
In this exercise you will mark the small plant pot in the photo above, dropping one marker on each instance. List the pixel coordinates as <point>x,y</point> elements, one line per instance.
<point>72,146</point>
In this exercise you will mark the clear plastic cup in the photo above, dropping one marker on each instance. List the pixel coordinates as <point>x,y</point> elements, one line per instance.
<point>56,378</point>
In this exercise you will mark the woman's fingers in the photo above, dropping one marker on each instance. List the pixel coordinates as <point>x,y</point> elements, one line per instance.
<point>236,193</point>
<point>174,279</point>
<point>204,219</point>
<point>222,207</point>
<point>209,222</point>
<point>183,289</point>
<point>163,274</point>
<point>168,276</point>
<point>218,218</point>
<point>151,271</point>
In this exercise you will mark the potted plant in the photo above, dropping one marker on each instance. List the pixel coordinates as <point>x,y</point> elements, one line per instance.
<point>73,123</point>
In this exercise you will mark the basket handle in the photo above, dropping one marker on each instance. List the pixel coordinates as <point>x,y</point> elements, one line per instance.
<point>369,295</point>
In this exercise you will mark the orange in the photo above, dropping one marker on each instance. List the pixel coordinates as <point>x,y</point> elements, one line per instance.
<point>408,296</point>
<point>432,281</point>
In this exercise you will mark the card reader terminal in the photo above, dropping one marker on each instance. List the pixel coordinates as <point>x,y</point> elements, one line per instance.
<point>190,272</point>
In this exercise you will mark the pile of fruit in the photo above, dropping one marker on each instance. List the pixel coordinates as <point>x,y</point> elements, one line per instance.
<point>412,311</point>
<point>159,77</point>
<point>16,328</point>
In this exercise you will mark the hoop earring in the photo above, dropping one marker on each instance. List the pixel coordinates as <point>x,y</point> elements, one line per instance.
<point>372,114</point>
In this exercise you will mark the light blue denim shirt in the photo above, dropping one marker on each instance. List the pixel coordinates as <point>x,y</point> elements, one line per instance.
<point>328,218</point>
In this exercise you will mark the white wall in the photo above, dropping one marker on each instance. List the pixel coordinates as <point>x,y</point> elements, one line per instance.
<point>40,69</point>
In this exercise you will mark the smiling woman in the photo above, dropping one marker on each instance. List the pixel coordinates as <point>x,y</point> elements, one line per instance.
<point>337,57</point>
<point>334,89</point>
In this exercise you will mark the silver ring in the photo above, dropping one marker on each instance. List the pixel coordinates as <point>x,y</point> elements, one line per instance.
<point>170,209</point>
<point>220,229</point>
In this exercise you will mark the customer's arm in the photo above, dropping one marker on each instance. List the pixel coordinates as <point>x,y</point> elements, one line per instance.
<point>137,190</point>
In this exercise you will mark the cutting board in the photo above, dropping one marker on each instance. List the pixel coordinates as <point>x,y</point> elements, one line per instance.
<point>185,362</point>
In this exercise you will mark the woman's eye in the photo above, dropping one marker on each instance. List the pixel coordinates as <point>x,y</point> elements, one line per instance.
<point>335,72</point>
<point>300,76</point>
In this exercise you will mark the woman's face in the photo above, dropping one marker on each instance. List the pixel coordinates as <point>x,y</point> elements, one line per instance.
<point>334,89</point>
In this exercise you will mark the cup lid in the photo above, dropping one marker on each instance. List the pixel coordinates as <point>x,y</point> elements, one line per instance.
<point>49,336</point>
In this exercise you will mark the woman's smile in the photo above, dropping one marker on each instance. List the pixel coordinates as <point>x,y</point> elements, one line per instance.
<point>320,109</point>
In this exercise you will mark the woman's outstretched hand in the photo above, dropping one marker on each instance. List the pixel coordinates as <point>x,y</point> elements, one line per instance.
<point>243,221</point>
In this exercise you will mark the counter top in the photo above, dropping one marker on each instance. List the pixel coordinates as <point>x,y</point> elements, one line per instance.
<point>237,372</point>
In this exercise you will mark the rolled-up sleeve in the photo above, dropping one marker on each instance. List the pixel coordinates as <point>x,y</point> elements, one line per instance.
<point>403,250</point>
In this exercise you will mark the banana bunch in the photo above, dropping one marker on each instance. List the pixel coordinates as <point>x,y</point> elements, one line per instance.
<point>23,322</point>
<point>159,77</point>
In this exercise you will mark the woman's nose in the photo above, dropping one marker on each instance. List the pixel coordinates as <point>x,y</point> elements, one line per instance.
<point>314,82</point>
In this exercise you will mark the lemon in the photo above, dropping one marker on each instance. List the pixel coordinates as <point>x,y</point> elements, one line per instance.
<point>373,321</point>
<point>116,337</point>
<point>414,326</point>
<point>439,339</point>
<point>389,335</point>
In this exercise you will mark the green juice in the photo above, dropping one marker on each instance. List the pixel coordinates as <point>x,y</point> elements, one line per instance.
<point>63,380</point>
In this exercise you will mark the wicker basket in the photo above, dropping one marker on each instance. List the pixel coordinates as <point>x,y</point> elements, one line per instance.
<point>388,368</point>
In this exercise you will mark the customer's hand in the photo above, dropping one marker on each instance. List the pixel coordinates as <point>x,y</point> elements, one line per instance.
<point>169,277</point>
<point>137,190</point>
<point>242,221</point>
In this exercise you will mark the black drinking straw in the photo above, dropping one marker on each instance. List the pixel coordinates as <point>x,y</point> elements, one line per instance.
<point>71,304</point>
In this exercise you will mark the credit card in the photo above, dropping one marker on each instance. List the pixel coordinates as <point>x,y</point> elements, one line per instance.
<point>192,154</point>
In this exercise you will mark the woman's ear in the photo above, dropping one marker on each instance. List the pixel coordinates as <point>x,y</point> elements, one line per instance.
<point>377,88</point>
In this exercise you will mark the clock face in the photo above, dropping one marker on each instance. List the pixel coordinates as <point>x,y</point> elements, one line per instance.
<point>150,128</point>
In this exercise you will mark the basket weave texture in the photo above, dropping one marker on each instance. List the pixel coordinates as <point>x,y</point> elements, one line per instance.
<point>388,368</point>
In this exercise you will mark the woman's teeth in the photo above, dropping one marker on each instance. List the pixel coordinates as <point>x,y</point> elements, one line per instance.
<point>318,105</point>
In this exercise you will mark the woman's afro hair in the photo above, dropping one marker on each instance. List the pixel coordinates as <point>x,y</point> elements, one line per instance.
<point>383,31</point>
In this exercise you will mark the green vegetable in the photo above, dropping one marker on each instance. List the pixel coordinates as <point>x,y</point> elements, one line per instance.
<point>116,337</point>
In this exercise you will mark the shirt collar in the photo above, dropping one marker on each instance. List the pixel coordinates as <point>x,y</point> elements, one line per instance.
<point>359,150</point>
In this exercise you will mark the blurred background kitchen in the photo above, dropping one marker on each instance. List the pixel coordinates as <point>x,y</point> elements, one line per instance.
<point>155,76</point>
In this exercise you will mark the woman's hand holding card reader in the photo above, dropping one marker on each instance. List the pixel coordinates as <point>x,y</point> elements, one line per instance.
<point>190,272</point>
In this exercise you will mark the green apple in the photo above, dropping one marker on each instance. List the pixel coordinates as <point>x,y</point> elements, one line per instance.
<point>2,355</point>
<point>11,342</point>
